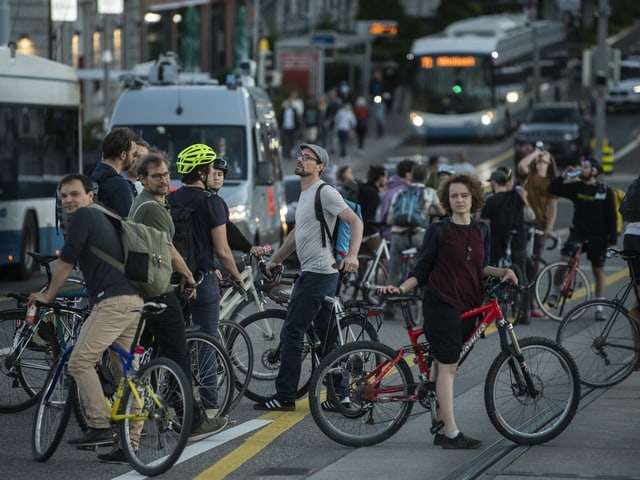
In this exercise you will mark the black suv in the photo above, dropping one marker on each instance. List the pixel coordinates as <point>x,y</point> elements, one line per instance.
<point>562,128</point>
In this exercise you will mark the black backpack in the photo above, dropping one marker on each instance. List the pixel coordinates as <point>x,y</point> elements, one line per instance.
<point>184,239</point>
<point>630,205</point>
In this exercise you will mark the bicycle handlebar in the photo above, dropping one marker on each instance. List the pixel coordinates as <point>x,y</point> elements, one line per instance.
<point>554,237</point>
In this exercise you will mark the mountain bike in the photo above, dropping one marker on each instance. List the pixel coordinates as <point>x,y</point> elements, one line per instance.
<point>152,404</point>
<point>350,321</point>
<point>605,350</point>
<point>531,392</point>
<point>561,285</point>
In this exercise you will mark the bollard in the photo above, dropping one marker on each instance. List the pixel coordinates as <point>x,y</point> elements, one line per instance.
<point>607,158</point>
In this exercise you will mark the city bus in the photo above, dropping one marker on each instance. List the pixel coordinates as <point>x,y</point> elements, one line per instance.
<point>40,142</point>
<point>475,78</point>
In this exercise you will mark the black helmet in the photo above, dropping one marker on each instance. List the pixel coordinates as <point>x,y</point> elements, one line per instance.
<point>220,163</point>
<point>594,163</point>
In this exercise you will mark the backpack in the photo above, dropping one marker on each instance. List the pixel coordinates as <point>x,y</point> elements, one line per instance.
<point>630,205</point>
<point>341,237</point>
<point>618,197</point>
<point>408,207</point>
<point>184,239</point>
<point>147,254</point>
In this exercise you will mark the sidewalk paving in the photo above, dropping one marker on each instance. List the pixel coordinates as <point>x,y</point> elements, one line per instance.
<point>602,442</point>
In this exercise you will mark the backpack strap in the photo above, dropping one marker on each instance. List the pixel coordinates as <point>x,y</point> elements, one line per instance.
<point>324,228</point>
<point>133,213</point>
<point>101,253</point>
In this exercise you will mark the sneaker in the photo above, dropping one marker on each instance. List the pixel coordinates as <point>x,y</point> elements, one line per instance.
<point>208,427</point>
<point>600,316</point>
<point>93,436</point>
<point>535,313</point>
<point>328,405</point>
<point>438,439</point>
<point>211,412</point>
<point>114,456</point>
<point>276,405</point>
<point>552,300</point>
<point>461,442</point>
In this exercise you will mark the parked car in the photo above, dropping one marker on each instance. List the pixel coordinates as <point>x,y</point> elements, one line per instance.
<point>625,93</point>
<point>564,129</point>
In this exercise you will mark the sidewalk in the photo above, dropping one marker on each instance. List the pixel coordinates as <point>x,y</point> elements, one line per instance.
<point>602,442</point>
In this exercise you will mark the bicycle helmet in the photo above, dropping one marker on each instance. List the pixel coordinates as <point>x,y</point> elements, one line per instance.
<point>220,163</point>
<point>194,156</point>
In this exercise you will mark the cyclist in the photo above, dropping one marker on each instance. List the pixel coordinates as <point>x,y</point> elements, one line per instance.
<point>594,222</point>
<point>318,278</point>
<point>452,262</point>
<point>111,297</point>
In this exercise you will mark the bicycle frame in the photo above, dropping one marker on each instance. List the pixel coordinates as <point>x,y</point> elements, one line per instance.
<point>231,298</point>
<point>568,284</point>
<point>382,252</point>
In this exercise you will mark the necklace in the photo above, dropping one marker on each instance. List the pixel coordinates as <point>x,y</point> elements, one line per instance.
<point>469,250</point>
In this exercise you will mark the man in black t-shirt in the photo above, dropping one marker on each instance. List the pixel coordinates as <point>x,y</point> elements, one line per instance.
<point>594,221</point>
<point>111,297</point>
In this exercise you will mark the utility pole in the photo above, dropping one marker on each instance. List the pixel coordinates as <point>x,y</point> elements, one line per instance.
<point>601,74</point>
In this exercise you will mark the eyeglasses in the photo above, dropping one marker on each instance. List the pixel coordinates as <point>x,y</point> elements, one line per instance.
<point>306,157</point>
<point>156,177</point>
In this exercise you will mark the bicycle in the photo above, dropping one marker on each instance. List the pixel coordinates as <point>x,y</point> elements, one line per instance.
<point>531,392</point>
<point>31,337</point>
<point>349,322</point>
<point>606,352</point>
<point>572,281</point>
<point>156,396</point>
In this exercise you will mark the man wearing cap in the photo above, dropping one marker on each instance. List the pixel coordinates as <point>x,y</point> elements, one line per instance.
<point>594,221</point>
<point>319,271</point>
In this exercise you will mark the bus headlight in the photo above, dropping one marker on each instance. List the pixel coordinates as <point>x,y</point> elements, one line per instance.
<point>239,213</point>
<point>487,118</point>
<point>512,97</point>
<point>416,119</point>
<point>377,99</point>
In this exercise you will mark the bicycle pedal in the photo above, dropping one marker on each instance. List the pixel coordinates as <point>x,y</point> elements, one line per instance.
<point>436,427</point>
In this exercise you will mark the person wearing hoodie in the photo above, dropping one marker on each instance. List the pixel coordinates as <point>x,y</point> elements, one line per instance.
<point>397,182</point>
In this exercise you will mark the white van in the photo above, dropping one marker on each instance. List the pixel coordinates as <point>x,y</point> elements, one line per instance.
<point>172,116</point>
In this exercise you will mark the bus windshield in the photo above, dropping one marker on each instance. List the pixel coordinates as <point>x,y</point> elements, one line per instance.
<point>453,84</point>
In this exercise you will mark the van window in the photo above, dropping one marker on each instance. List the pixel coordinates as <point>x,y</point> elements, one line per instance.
<point>227,141</point>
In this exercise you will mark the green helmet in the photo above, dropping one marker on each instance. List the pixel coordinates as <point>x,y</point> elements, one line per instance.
<point>194,156</point>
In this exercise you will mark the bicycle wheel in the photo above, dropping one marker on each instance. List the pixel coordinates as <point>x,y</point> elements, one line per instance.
<point>264,331</point>
<point>529,419</point>
<point>211,372</point>
<point>53,412</point>
<point>580,290</point>
<point>165,417</point>
<point>606,352</point>
<point>366,413</point>
<point>25,360</point>
<point>237,344</point>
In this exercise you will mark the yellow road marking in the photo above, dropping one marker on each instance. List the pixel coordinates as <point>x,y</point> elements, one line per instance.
<point>281,422</point>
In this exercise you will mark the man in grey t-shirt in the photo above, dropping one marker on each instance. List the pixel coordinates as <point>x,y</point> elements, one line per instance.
<point>319,276</point>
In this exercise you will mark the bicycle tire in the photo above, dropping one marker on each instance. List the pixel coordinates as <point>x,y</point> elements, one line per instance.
<point>263,329</point>
<point>241,311</point>
<point>386,410</point>
<point>24,364</point>
<point>237,344</point>
<point>53,412</point>
<point>214,388</point>
<point>509,404</point>
<point>606,352</point>
<point>542,287</point>
<point>168,414</point>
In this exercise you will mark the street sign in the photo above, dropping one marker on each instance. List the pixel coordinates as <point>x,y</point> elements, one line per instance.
<point>328,38</point>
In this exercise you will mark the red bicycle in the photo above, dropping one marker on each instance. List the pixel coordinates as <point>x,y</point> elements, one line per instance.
<point>531,392</point>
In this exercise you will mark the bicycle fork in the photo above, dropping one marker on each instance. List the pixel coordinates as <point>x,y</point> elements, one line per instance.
<point>522,382</point>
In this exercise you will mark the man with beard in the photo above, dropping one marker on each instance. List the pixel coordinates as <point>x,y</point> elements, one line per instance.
<point>119,151</point>
<point>319,272</point>
<point>594,222</point>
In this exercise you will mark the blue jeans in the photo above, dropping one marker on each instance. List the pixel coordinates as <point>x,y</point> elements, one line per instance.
<point>306,305</point>
<point>205,312</point>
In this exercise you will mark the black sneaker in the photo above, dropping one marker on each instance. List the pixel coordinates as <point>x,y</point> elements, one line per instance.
<point>438,438</point>
<point>93,436</point>
<point>461,442</point>
<point>552,300</point>
<point>600,316</point>
<point>328,405</point>
<point>276,405</point>
<point>114,456</point>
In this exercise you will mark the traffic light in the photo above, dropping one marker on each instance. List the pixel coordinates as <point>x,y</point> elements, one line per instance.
<point>265,69</point>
